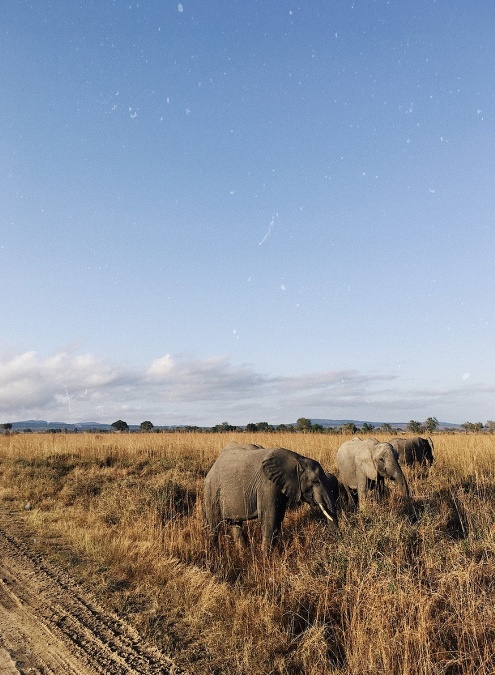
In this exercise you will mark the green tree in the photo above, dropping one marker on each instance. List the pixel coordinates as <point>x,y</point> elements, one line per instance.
<point>431,424</point>
<point>146,426</point>
<point>367,428</point>
<point>472,426</point>
<point>120,425</point>
<point>224,427</point>
<point>252,427</point>
<point>467,426</point>
<point>349,428</point>
<point>263,426</point>
<point>414,427</point>
<point>317,428</point>
<point>386,427</point>
<point>7,426</point>
<point>303,424</point>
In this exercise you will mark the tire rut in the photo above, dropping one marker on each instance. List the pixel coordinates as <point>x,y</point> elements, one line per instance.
<point>50,625</point>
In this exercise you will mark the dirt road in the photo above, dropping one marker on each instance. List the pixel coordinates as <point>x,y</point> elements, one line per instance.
<point>49,625</point>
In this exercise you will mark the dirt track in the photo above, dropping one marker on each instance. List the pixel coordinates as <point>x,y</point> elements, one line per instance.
<point>49,625</point>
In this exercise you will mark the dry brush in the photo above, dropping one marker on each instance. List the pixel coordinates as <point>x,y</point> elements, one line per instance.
<point>390,593</point>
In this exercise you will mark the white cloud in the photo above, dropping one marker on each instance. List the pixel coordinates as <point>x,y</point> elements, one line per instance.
<point>161,367</point>
<point>67,386</point>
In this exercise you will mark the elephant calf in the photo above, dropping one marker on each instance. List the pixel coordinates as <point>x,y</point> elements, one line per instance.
<point>362,463</point>
<point>249,481</point>
<point>415,450</point>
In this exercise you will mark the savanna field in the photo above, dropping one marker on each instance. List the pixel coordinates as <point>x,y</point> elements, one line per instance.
<point>394,592</point>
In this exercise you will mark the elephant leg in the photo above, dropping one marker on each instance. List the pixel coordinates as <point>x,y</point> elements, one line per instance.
<point>212,516</point>
<point>352,500</point>
<point>270,530</point>
<point>362,486</point>
<point>213,535</point>
<point>239,535</point>
<point>271,524</point>
<point>271,506</point>
<point>268,538</point>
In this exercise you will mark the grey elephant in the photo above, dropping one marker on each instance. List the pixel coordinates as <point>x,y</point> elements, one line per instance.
<point>337,490</point>
<point>333,486</point>
<point>249,481</point>
<point>365,464</point>
<point>415,450</point>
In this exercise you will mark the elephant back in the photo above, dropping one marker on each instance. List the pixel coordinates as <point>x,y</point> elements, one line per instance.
<point>413,450</point>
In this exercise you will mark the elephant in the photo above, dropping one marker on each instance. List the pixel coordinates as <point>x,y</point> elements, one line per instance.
<point>333,486</point>
<point>415,450</point>
<point>365,464</point>
<point>249,481</point>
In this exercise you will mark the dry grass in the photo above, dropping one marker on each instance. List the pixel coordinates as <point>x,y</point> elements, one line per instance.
<point>390,594</point>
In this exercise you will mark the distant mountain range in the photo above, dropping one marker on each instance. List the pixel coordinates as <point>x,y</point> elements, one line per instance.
<point>40,425</point>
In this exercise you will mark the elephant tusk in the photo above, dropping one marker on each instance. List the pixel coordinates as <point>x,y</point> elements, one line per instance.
<point>325,513</point>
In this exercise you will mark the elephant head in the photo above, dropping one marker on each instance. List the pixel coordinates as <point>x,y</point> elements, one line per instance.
<point>301,479</point>
<point>428,450</point>
<point>386,465</point>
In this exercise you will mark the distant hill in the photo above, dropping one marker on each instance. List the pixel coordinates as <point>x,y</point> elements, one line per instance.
<point>43,425</point>
<point>40,425</point>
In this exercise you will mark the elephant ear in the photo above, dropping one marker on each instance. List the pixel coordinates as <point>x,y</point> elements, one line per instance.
<point>282,468</point>
<point>364,459</point>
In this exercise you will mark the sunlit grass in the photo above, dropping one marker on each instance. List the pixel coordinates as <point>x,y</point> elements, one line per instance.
<point>389,594</point>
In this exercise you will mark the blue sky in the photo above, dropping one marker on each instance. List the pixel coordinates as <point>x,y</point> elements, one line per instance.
<point>247,211</point>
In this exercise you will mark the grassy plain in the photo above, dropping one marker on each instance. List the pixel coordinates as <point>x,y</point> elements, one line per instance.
<point>389,594</point>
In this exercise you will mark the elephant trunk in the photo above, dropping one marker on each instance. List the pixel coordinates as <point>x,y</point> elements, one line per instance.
<point>400,479</point>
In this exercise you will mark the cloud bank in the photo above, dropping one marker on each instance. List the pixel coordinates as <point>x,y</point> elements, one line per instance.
<point>68,387</point>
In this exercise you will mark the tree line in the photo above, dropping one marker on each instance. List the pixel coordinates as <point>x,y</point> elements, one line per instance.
<point>303,425</point>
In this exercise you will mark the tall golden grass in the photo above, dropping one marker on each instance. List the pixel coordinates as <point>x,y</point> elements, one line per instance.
<point>389,594</point>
